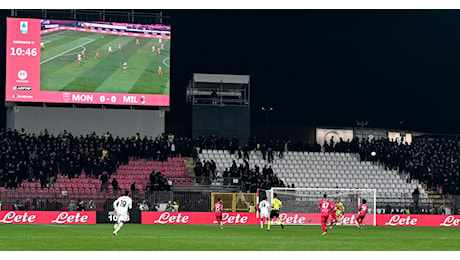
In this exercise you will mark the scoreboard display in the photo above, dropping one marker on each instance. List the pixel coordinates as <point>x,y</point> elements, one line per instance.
<point>62,61</point>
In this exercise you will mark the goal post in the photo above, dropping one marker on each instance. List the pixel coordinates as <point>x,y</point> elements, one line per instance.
<point>305,200</point>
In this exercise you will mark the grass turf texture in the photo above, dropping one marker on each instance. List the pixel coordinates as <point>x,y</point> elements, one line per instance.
<point>137,237</point>
<point>60,70</point>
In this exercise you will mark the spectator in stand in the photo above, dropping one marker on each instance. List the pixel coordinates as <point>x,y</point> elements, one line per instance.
<point>91,206</point>
<point>134,190</point>
<point>80,205</point>
<point>72,206</point>
<point>115,187</point>
<point>104,181</point>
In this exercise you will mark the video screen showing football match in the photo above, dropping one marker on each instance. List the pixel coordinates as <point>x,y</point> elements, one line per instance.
<point>60,61</point>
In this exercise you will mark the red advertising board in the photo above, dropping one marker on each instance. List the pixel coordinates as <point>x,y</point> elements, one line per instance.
<point>197,218</point>
<point>47,217</point>
<point>231,218</point>
<point>418,220</point>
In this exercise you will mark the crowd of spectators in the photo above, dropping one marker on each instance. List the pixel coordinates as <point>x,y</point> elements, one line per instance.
<point>30,157</point>
<point>433,160</point>
<point>39,158</point>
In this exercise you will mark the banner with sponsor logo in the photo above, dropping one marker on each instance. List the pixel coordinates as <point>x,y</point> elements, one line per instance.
<point>323,135</point>
<point>418,220</point>
<point>47,217</point>
<point>197,218</point>
<point>232,218</point>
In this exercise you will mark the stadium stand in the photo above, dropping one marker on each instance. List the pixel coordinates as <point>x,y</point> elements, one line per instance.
<point>29,162</point>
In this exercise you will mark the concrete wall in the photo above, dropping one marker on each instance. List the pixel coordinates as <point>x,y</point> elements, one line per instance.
<point>82,121</point>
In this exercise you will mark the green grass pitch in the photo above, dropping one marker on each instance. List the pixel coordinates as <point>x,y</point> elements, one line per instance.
<point>60,71</point>
<point>137,237</point>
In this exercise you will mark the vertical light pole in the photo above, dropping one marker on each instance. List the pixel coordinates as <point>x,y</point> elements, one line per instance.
<point>267,110</point>
<point>362,124</point>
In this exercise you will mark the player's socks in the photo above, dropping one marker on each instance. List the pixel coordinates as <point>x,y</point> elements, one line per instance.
<point>118,228</point>
<point>281,223</point>
<point>269,223</point>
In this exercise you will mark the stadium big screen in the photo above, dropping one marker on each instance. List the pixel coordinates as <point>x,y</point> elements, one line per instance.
<point>58,61</point>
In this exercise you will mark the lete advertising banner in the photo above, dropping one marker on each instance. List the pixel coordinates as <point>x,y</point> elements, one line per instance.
<point>232,218</point>
<point>47,217</point>
<point>418,220</point>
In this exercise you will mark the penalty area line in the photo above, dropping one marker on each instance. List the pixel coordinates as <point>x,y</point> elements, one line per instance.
<point>81,45</point>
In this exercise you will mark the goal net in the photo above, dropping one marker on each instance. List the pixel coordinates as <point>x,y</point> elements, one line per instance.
<point>305,200</point>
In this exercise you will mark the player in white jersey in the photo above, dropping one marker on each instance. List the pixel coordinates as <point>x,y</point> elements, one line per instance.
<point>121,206</point>
<point>264,209</point>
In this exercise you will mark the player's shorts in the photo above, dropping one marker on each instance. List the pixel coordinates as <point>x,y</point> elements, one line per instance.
<point>122,216</point>
<point>219,216</point>
<point>338,212</point>
<point>334,216</point>
<point>324,218</point>
<point>275,214</point>
<point>264,214</point>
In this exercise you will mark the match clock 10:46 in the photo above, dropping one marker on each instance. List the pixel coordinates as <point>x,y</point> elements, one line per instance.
<point>18,51</point>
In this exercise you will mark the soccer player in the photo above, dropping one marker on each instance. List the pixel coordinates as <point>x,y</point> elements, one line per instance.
<point>42,45</point>
<point>83,53</point>
<point>79,58</point>
<point>159,40</point>
<point>121,206</point>
<point>119,47</point>
<point>159,70</point>
<point>339,212</point>
<point>158,49</point>
<point>162,46</point>
<point>218,207</point>
<point>325,207</point>
<point>264,207</point>
<point>153,47</point>
<point>110,48</point>
<point>97,54</point>
<point>275,213</point>
<point>125,65</point>
<point>334,207</point>
<point>137,41</point>
<point>362,210</point>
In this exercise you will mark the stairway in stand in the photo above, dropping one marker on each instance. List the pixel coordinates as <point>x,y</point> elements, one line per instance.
<point>189,165</point>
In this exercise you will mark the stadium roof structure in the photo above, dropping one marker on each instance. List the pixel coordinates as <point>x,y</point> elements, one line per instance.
<point>219,89</point>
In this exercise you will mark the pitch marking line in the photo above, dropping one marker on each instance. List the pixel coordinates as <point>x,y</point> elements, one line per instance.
<point>164,62</point>
<point>81,45</point>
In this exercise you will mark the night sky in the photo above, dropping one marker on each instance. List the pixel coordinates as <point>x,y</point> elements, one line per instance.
<point>325,67</point>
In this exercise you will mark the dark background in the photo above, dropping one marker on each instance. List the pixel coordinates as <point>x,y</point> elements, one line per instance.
<point>394,68</point>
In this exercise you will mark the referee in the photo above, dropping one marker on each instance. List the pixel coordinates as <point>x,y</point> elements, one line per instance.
<point>275,213</point>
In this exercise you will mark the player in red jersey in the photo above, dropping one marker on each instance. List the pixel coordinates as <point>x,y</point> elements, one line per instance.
<point>218,207</point>
<point>162,46</point>
<point>83,53</point>
<point>158,49</point>
<point>325,207</point>
<point>97,54</point>
<point>119,47</point>
<point>159,70</point>
<point>334,207</point>
<point>137,41</point>
<point>362,210</point>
